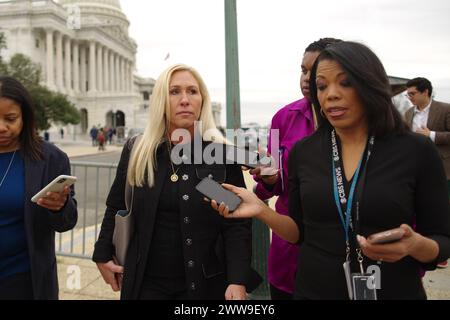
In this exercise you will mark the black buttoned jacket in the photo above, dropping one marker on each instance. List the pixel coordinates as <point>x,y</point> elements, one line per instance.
<point>217,251</point>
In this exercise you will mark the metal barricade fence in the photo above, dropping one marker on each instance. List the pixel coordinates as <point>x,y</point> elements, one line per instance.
<point>91,190</point>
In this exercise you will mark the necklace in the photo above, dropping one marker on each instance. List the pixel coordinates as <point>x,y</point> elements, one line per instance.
<point>7,170</point>
<point>174,177</point>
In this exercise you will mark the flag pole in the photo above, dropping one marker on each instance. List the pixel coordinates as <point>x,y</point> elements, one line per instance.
<point>232,66</point>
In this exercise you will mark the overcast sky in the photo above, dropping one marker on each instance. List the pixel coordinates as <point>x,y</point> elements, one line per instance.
<point>411,37</point>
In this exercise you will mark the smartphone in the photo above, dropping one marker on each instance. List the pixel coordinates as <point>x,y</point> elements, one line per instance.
<point>247,158</point>
<point>386,236</point>
<point>268,171</point>
<point>56,185</point>
<point>214,191</point>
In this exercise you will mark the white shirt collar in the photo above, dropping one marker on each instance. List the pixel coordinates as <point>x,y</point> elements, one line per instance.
<point>425,110</point>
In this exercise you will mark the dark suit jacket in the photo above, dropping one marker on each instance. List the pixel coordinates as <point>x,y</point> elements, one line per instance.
<point>216,251</point>
<point>41,224</point>
<point>438,121</point>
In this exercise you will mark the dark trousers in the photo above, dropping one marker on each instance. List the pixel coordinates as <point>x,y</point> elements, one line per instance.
<point>16,287</point>
<point>160,288</point>
<point>277,294</point>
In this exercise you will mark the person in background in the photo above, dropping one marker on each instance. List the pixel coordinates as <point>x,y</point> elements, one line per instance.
<point>110,135</point>
<point>430,118</point>
<point>294,122</point>
<point>93,133</point>
<point>27,230</point>
<point>101,140</point>
<point>345,184</point>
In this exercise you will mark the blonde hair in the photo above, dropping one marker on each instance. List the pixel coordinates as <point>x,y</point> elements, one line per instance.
<point>143,159</point>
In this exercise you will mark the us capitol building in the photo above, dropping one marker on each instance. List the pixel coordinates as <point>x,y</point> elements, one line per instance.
<point>92,58</point>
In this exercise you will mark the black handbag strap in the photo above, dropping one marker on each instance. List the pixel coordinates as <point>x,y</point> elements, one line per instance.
<point>129,191</point>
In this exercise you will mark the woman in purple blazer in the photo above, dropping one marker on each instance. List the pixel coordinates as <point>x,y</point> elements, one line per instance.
<point>294,122</point>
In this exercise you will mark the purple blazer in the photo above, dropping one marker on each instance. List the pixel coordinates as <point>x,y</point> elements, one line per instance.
<point>294,122</point>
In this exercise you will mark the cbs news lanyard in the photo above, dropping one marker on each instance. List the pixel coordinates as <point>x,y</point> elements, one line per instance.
<point>342,203</point>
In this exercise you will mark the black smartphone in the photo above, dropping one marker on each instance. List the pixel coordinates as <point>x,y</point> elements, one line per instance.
<point>247,158</point>
<point>214,191</point>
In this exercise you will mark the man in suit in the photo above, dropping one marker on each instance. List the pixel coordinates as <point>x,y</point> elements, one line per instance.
<point>432,119</point>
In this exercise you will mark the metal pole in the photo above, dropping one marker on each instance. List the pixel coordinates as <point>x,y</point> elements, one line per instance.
<point>232,66</point>
<point>260,233</point>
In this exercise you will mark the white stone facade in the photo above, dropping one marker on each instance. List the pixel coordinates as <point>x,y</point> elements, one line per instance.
<point>92,58</point>
<point>85,52</point>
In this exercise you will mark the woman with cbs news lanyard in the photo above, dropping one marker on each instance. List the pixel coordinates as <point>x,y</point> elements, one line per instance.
<point>361,173</point>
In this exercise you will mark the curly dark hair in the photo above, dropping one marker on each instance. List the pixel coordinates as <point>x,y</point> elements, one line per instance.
<point>321,44</point>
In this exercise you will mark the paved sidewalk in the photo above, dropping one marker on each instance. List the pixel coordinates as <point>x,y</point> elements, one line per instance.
<point>437,284</point>
<point>92,286</point>
<point>82,147</point>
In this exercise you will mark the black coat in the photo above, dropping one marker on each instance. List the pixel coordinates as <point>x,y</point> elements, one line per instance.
<point>217,251</point>
<point>41,224</point>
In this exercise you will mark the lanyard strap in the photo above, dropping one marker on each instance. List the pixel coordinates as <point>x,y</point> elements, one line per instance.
<point>342,203</point>
<point>361,184</point>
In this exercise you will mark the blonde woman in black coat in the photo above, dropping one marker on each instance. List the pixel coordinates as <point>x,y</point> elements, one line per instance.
<point>180,248</point>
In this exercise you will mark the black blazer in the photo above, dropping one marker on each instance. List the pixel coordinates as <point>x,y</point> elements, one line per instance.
<point>41,224</point>
<point>217,251</point>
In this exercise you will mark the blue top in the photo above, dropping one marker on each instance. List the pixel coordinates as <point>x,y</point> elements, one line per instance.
<point>14,257</point>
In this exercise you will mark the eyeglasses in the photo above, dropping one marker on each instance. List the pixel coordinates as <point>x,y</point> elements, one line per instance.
<point>411,94</point>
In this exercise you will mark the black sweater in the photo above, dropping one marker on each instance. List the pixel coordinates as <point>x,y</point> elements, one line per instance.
<point>405,183</point>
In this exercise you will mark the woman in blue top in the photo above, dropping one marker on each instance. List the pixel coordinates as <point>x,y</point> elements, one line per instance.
<point>27,230</point>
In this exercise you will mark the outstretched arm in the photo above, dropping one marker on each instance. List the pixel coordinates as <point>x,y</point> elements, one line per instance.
<point>252,206</point>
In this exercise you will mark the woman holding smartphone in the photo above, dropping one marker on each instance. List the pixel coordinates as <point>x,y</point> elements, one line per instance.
<point>361,173</point>
<point>180,248</point>
<point>294,122</point>
<point>27,229</point>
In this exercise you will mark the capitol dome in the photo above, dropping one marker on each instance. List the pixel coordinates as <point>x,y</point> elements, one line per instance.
<point>104,12</point>
<point>110,4</point>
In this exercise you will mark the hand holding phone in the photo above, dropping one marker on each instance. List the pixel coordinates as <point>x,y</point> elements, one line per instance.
<point>247,158</point>
<point>388,236</point>
<point>266,172</point>
<point>56,186</point>
<point>214,191</point>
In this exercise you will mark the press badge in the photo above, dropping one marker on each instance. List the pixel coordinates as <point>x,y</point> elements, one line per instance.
<point>364,286</point>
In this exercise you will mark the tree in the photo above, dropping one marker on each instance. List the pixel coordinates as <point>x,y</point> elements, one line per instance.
<point>40,96</point>
<point>51,107</point>
<point>23,69</point>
